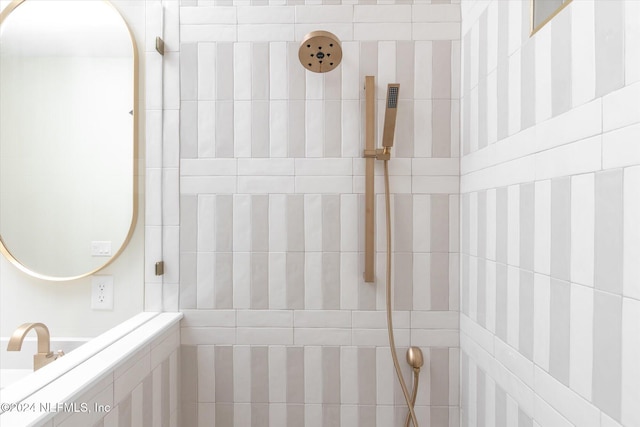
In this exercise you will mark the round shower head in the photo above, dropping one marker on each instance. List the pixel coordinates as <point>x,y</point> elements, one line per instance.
<point>320,51</point>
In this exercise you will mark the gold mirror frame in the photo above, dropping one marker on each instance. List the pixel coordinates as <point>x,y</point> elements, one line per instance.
<point>3,248</point>
<point>535,28</point>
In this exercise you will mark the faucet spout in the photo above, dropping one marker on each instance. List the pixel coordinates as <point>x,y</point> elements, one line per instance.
<point>44,355</point>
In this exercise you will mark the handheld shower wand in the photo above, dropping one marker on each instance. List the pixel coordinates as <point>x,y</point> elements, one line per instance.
<point>389,128</point>
<point>390,113</point>
<point>414,355</point>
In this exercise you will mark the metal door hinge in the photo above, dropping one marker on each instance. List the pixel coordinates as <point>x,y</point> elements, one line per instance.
<point>160,45</point>
<point>159,268</point>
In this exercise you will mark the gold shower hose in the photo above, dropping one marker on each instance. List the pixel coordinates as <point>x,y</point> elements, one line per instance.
<point>411,400</point>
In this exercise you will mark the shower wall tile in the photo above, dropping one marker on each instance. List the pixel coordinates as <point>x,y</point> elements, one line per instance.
<point>610,48</point>
<point>514,90</point>
<point>542,319</point>
<point>565,282</point>
<point>608,231</point>
<point>581,356</point>
<point>617,150</point>
<point>525,321</point>
<point>631,233</point>
<point>273,210</point>
<point>630,347</point>
<point>582,229</point>
<point>513,306</point>
<point>527,226</point>
<point>543,109</point>
<point>439,282</point>
<point>513,225</point>
<point>559,347</point>
<point>582,50</point>
<point>607,340</point>
<point>560,228</point>
<point>561,63</point>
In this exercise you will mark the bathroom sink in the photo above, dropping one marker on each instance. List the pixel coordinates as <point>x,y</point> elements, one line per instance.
<point>9,376</point>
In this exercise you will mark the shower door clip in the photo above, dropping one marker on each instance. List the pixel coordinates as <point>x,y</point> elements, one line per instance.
<point>159,268</point>
<point>160,45</point>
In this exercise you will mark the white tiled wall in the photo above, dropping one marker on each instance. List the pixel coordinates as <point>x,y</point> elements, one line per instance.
<point>549,208</point>
<point>279,327</point>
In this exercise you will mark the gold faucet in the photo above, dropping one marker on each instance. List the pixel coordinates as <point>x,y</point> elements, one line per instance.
<point>44,356</point>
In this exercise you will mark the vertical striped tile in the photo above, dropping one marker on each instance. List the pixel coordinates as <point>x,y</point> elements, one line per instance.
<point>403,222</point>
<point>439,281</point>
<point>206,71</point>
<point>501,225</point>
<point>559,347</point>
<point>295,377</point>
<point>482,292</point>
<point>331,223</point>
<point>295,280</point>
<point>259,280</point>
<point>609,29</point>
<point>224,379</point>
<point>296,120</point>
<point>259,122</point>
<point>331,281</point>
<point>224,132</point>
<point>607,356</point>
<point>224,71</point>
<point>332,132</point>
<point>295,223</point>
<point>560,228</point>
<point>260,375</point>
<point>581,340</point>
<point>582,229</point>
<point>501,301</point>
<point>527,226</point>
<point>526,314</point>
<point>608,231</point>
<point>502,72</point>
<point>481,224</point>
<point>561,64</point>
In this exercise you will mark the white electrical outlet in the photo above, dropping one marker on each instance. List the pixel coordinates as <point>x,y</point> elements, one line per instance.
<point>102,292</point>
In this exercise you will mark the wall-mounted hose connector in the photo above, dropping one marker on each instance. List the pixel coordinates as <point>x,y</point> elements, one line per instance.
<point>415,358</point>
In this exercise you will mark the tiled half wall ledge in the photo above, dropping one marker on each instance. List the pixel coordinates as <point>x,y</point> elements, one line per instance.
<point>103,372</point>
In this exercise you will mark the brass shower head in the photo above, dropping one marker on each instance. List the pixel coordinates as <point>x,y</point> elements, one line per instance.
<point>320,51</point>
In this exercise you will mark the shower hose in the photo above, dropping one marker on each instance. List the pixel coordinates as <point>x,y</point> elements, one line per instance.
<point>410,400</point>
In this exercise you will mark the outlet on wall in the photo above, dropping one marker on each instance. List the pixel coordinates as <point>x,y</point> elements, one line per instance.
<point>102,292</point>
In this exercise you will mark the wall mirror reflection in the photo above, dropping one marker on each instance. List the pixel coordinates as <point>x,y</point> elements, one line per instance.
<point>542,11</point>
<point>69,182</point>
<point>67,137</point>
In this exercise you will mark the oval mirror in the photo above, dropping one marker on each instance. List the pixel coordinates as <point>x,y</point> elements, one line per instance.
<point>68,136</point>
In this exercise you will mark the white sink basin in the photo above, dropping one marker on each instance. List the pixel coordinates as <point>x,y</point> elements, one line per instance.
<point>9,376</point>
